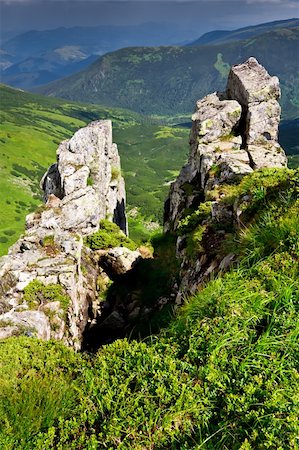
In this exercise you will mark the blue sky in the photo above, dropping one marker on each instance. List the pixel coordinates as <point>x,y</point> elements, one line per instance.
<point>199,16</point>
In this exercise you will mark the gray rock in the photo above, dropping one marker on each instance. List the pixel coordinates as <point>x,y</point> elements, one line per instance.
<point>119,261</point>
<point>83,187</point>
<point>215,118</point>
<point>232,135</point>
<point>35,322</point>
<point>250,82</point>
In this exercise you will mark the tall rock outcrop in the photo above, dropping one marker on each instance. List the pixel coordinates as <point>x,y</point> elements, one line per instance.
<point>83,187</point>
<point>233,134</point>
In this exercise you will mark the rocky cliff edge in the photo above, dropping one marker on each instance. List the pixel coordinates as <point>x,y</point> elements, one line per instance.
<point>233,134</point>
<point>48,279</point>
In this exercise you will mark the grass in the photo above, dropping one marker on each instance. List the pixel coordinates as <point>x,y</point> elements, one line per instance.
<point>109,235</point>
<point>223,374</point>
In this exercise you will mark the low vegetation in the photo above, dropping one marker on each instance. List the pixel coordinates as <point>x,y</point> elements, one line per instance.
<point>37,294</point>
<point>222,374</point>
<point>109,236</point>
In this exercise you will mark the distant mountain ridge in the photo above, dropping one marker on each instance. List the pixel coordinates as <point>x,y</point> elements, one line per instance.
<point>25,58</point>
<point>222,36</point>
<point>167,80</point>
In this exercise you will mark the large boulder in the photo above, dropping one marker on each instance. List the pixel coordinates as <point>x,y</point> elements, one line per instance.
<point>87,178</point>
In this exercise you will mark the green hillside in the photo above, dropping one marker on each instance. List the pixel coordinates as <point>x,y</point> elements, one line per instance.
<point>222,375</point>
<point>168,80</point>
<point>32,127</point>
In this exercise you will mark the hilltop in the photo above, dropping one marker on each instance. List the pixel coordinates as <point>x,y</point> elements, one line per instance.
<point>221,36</point>
<point>39,56</point>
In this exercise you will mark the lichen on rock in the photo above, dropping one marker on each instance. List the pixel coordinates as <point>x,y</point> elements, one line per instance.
<point>233,134</point>
<point>52,252</point>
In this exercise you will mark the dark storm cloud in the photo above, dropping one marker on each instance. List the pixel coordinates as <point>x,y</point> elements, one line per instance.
<point>199,16</point>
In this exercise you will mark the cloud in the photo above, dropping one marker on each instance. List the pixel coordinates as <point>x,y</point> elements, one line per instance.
<point>248,2</point>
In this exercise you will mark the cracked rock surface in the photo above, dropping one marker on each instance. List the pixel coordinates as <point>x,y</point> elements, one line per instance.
<point>83,187</point>
<point>233,133</point>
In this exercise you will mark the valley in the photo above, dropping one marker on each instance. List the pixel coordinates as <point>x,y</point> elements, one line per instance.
<point>32,127</point>
<point>192,343</point>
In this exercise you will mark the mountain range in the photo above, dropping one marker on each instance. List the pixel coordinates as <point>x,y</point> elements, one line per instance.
<point>38,57</point>
<point>168,80</point>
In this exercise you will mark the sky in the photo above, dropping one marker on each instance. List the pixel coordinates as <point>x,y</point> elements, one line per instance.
<point>198,16</point>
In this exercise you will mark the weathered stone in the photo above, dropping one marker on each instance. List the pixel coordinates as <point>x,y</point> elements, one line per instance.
<point>83,187</point>
<point>272,155</point>
<point>35,322</point>
<point>87,177</point>
<point>257,92</point>
<point>250,82</point>
<point>232,135</point>
<point>119,260</point>
<point>215,118</point>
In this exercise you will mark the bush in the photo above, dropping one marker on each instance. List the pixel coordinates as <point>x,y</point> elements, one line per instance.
<point>108,236</point>
<point>37,387</point>
<point>37,294</point>
<point>191,221</point>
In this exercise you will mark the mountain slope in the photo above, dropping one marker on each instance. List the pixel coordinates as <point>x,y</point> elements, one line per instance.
<point>32,127</point>
<point>168,80</point>
<point>221,36</point>
<point>36,71</point>
<point>26,57</point>
<point>222,375</point>
<point>98,39</point>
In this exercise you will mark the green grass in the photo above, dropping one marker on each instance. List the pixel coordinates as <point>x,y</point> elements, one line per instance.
<point>32,127</point>
<point>223,374</point>
<point>109,235</point>
<point>151,157</point>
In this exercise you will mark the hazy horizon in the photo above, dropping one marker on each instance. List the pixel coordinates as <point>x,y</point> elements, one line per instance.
<point>195,18</point>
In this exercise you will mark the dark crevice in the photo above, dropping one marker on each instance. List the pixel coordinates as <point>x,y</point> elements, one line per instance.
<point>242,127</point>
<point>132,306</point>
<point>119,216</point>
<point>251,162</point>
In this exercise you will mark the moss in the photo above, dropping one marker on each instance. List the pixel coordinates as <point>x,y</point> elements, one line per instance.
<point>188,223</point>
<point>228,137</point>
<point>37,294</point>
<point>89,181</point>
<point>194,241</point>
<point>115,173</point>
<point>6,323</point>
<point>109,236</point>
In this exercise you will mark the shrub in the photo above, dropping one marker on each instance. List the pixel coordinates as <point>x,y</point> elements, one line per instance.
<point>190,222</point>
<point>115,173</point>
<point>37,294</point>
<point>37,387</point>
<point>108,236</point>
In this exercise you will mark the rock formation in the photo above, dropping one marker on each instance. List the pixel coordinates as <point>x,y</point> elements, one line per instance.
<point>233,134</point>
<point>83,187</point>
